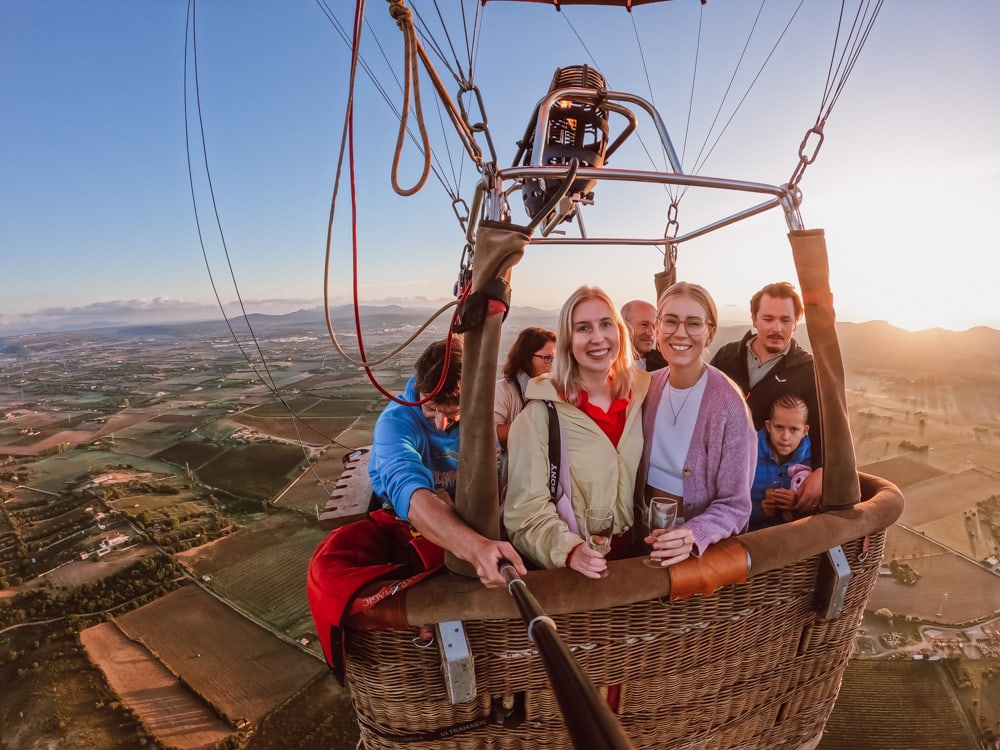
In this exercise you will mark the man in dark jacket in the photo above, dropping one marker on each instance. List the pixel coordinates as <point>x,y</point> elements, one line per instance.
<point>769,363</point>
<point>640,317</point>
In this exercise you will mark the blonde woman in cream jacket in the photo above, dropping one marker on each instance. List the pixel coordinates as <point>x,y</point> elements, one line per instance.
<point>597,394</point>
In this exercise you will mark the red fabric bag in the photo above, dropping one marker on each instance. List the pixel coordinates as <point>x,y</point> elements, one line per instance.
<point>379,547</point>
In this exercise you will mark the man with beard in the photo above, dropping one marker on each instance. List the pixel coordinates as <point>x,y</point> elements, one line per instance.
<point>640,318</point>
<point>770,363</point>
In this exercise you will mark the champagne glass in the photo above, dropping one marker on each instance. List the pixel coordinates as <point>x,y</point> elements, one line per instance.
<point>600,527</point>
<point>662,515</point>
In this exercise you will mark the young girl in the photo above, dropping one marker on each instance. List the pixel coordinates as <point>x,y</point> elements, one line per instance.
<point>597,395</point>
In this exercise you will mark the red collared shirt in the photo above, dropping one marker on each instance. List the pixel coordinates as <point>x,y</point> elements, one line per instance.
<point>612,421</point>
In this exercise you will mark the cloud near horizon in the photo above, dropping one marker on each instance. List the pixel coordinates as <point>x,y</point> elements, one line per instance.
<point>169,310</point>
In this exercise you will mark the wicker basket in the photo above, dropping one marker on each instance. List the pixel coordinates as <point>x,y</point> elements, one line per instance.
<point>752,666</point>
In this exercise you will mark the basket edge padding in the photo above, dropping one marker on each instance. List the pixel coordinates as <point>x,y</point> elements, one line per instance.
<point>561,591</point>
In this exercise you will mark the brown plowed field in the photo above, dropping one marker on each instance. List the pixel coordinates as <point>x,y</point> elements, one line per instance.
<point>973,593</point>
<point>238,667</point>
<point>171,712</point>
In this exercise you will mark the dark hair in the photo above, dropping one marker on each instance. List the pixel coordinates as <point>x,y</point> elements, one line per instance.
<point>523,349</point>
<point>790,401</point>
<point>778,290</point>
<point>429,367</point>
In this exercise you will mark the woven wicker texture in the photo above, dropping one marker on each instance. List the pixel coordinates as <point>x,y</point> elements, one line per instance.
<point>752,666</point>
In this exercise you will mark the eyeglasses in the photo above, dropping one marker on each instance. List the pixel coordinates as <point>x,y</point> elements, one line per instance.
<point>546,358</point>
<point>670,323</point>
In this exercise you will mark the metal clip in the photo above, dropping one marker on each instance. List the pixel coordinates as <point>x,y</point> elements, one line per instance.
<point>834,578</point>
<point>866,544</point>
<point>483,126</point>
<point>673,225</point>
<point>456,661</point>
<point>806,159</point>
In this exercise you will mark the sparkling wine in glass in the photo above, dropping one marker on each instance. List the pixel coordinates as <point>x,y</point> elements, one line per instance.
<point>600,527</point>
<point>662,515</point>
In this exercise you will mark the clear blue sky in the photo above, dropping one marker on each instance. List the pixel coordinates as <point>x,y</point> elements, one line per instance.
<point>96,218</point>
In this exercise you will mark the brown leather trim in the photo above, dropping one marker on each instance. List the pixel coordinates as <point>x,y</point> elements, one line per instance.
<point>451,597</point>
<point>726,564</point>
<point>840,488</point>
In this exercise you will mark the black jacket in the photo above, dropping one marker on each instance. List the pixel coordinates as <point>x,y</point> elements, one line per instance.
<point>794,374</point>
<point>654,360</point>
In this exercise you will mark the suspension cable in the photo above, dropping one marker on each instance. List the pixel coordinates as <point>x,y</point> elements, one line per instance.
<point>700,162</point>
<point>347,145</point>
<point>364,362</point>
<point>190,42</point>
<point>451,189</point>
<point>839,71</point>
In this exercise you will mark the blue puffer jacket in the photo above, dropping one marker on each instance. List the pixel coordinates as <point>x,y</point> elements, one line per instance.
<point>770,473</point>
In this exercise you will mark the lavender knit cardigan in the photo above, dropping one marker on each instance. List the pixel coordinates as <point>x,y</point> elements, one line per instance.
<point>720,462</point>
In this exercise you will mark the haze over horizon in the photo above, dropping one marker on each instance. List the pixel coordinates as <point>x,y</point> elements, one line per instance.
<point>122,315</point>
<point>96,219</point>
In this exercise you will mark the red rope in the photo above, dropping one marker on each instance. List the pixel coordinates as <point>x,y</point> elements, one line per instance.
<point>358,14</point>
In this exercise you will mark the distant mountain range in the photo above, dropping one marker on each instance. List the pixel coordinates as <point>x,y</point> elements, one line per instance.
<point>862,344</point>
<point>877,343</point>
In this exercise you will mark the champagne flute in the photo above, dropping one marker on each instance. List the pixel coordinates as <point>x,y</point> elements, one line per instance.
<point>599,526</point>
<point>662,515</point>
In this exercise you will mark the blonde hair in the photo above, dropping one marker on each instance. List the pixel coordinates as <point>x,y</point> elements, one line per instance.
<point>565,369</point>
<point>696,292</point>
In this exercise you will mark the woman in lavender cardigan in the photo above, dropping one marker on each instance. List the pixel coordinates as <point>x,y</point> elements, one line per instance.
<point>699,438</point>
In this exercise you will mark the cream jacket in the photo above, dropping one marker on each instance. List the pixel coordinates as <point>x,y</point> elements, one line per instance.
<point>601,475</point>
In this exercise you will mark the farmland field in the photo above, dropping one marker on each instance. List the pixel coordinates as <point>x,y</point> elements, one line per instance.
<point>190,453</point>
<point>133,505</point>
<point>235,665</point>
<point>903,471</point>
<point>94,569</point>
<point>863,712</point>
<point>321,716</point>
<point>148,688</point>
<point>263,569</point>
<point>947,495</point>
<point>307,428</point>
<point>54,472</point>
<point>973,593</point>
<point>312,488</point>
<point>313,407</point>
<point>257,471</point>
<point>62,700</point>
<point>952,588</point>
<point>271,583</point>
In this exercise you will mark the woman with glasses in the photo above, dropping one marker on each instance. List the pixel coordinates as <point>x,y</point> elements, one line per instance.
<point>699,439</point>
<point>596,396</point>
<point>530,355</point>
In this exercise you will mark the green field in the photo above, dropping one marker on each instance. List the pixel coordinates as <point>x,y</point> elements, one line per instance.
<point>262,569</point>
<point>53,473</point>
<point>257,471</point>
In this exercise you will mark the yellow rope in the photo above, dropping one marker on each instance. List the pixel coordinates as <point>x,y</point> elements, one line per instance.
<point>404,19</point>
<point>412,51</point>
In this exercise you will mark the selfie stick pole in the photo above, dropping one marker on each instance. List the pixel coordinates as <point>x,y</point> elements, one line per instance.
<point>591,724</point>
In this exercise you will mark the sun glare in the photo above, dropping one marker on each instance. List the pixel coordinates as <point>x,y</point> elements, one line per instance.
<point>892,265</point>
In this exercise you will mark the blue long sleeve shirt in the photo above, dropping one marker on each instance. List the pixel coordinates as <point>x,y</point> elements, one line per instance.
<point>409,453</point>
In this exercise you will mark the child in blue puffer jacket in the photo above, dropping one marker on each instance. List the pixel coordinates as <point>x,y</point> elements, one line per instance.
<point>784,457</point>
